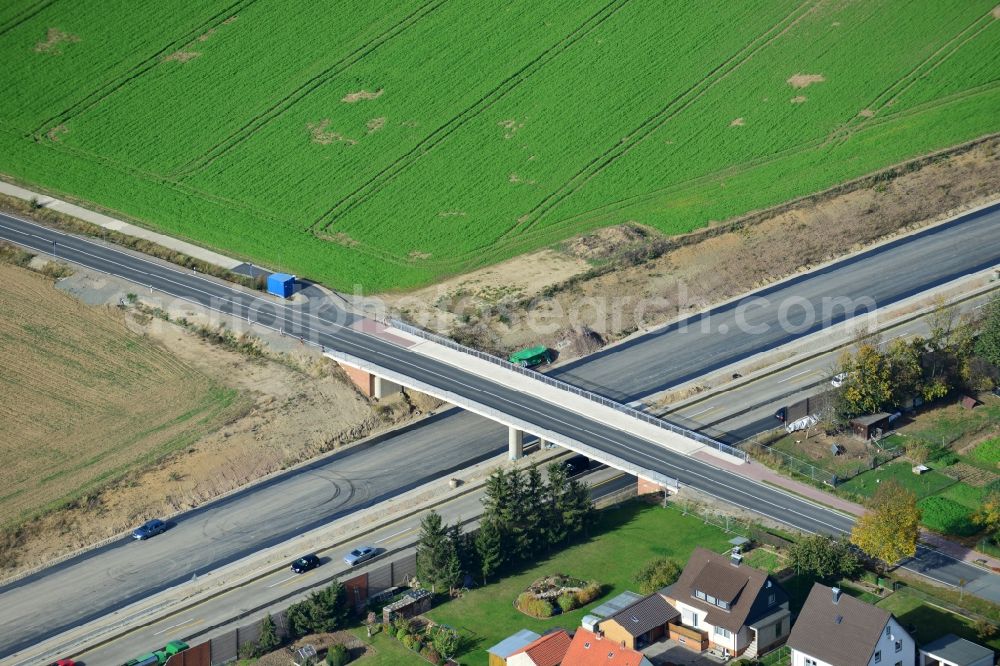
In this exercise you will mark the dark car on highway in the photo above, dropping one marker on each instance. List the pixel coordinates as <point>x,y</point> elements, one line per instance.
<point>360,554</point>
<point>576,465</point>
<point>149,529</point>
<point>305,563</point>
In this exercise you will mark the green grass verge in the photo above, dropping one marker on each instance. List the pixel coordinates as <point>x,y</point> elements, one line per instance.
<point>347,145</point>
<point>625,538</point>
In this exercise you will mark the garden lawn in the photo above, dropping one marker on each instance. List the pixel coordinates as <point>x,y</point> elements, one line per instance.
<point>927,623</point>
<point>947,516</point>
<point>625,538</point>
<point>987,453</point>
<point>765,560</point>
<point>962,493</point>
<point>923,485</point>
<point>949,424</point>
<point>388,651</point>
<point>389,144</point>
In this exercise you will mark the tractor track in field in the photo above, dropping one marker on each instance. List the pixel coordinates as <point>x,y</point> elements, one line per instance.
<point>578,221</point>
<point>26,15</point>
<point>261,120</point>
<point>133,73</point>
<point>611,208</point>
<point>387,174</point>
<point>897,88</point>
<point>470,259</point>
<point>653,123</point>
<point>159,179</point>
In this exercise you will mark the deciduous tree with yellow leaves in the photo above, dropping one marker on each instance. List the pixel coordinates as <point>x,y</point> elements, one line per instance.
<point>889,529</point>
<point>869,380</point>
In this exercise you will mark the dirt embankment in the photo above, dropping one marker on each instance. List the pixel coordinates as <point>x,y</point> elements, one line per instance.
<point>601,287</point>
<point>293,406</point>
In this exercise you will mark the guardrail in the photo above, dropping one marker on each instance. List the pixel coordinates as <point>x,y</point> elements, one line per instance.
<point>506,419</point>
<point>589,395</point>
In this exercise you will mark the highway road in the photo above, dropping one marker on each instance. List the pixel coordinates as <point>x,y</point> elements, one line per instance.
<point>732,415</point>
<point>39,606</point>
<point>878,277</point>
<point>268,593</point>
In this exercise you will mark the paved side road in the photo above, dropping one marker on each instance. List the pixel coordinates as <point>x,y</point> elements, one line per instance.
<point>48,602</point>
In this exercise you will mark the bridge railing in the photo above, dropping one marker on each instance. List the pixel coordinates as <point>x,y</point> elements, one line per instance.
<point>611,460</point>
<point>589,395</point>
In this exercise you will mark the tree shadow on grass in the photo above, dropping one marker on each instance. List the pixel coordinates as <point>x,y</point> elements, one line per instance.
<point>927,624</point>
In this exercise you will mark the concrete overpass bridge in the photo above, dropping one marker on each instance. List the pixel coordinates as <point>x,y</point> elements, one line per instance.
<point>544,408</point>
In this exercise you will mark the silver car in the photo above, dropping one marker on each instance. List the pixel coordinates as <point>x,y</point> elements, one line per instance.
<point>360,554</point>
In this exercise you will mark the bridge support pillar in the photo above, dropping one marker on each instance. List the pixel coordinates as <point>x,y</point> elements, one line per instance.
<point>383,387</point>
<point>515,443</point>
<point>545,444</point>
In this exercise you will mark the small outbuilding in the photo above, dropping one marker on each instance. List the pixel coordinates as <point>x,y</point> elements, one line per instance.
<point>951,650</point>
<point>642,623</point>
<point>411,604</point>
<point>280,284</point>
<point>503,650</point>
<point>865,427</point>
<point>968,402</point>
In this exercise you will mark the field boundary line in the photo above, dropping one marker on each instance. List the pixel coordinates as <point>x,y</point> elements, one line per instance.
<point>304,90</point>
<point>375,184</point>
<point>653,123</point>
<point>735,170</point>
<point>117,83</point>
<point>159,179</point>
<point>26,14</point>
<point>908,80</point>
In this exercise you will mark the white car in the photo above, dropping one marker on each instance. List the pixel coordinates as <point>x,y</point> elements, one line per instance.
<point>838,380</point>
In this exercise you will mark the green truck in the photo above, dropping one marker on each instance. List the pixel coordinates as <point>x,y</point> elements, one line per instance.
<point>532,356</point>
<point>159,657</point>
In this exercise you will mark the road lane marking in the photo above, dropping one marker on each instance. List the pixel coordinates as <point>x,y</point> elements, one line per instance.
<point>283,580</point>
<point>797,374</point>
<point>179,624</point>
<point>707,409</point>
<point>386,538</point>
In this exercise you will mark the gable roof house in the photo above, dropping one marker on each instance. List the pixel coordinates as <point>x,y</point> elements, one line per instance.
<point>728,606</point>
<point>640,623</point>
<point>835,629</point>
<point>548,650</point>
<point>593,649</point>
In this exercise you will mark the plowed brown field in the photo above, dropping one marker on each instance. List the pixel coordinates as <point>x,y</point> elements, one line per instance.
<point>83,400</point>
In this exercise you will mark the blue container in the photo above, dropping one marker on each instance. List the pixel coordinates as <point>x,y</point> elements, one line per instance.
<point>280,284</point>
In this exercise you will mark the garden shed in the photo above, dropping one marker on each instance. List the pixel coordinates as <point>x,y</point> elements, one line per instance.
<point>411,604</point>
<point>865,427</point>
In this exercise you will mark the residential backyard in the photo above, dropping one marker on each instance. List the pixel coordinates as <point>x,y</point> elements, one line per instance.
<point>959,447</point>
<point>625,538</point>
<point>927,621</point>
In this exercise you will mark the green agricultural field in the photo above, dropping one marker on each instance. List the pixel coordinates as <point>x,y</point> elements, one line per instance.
<point>389,144</point>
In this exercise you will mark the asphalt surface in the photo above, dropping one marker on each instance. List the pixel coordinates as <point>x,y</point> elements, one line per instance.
<point>878,277</point>
<point>733,415</point>
<point>269,593</point>
<point>104,580</point>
